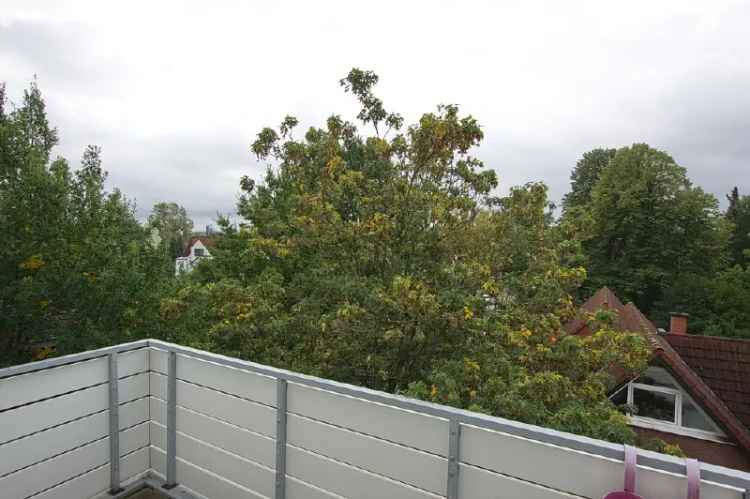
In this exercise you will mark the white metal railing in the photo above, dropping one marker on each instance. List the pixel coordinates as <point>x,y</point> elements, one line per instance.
<point>193,423</point>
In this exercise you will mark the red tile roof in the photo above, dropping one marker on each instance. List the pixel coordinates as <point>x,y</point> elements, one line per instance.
<point>207,242</point>
<point>602,299</point>
<point>711,369</point>
<point>629,318</point>
<point>723,364</point>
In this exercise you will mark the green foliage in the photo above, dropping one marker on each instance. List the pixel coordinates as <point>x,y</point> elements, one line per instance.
<point>387,262</point>
<point>738,213</point>
<point>659,241</point>
<point>649,225</point>
<point>173,226</point>
<point>541,378</point>
<point>585,175</point>
<point>74,266</point>
<point>719,305</point>
<point>659,445</point>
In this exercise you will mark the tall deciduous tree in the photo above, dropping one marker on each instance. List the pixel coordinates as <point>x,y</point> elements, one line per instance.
<point>585,175</point>
<point>719,305</point>
<point>173,225</point>
<point>650,225</point>
<point>384,260</point>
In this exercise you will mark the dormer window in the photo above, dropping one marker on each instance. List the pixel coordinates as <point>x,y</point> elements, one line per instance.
<point>656,401</point>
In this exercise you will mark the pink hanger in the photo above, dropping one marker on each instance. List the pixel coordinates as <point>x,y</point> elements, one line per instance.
<point>631,456</point>
<point>694,478</point>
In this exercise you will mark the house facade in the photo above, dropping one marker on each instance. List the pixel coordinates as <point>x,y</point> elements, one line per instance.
<point>695,392</point>
<point>196,251</point>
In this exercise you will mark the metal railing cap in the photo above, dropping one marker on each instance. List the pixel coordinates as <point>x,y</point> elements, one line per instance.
<point>40,365</point>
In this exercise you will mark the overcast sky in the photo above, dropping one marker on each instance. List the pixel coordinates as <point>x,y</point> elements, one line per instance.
<point>174,92</point>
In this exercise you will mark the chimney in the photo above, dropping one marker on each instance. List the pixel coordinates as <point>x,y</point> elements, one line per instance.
<point>678,322</point>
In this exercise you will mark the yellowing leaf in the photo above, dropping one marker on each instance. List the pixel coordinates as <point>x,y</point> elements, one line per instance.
<point>34,262</point>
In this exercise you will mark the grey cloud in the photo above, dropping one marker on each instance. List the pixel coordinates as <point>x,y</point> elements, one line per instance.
<point>56,52</point>
<point>201,174</point>
<point>175,97</point>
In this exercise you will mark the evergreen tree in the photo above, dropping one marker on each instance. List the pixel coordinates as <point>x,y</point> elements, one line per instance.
<point>75,268</point>
<point>738,213</point>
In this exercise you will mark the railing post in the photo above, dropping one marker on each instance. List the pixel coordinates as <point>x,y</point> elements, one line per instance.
<point>281,389</point>
<point>454,441</point>
<point>114,427</point>
<point>172,422</point>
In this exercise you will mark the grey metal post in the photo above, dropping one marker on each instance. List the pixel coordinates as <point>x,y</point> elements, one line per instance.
<point>454,442</point>
<point>281,389</point>
<point>172,422</point>
<point>114,427</point>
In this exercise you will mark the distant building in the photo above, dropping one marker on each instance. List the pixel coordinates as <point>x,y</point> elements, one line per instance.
<point>195,251</point>
<point>695,392</point>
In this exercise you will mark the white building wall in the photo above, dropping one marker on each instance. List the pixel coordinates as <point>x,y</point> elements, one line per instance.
<point>198,251</point>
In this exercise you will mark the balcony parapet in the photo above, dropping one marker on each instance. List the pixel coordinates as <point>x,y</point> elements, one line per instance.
<point>151,414</point>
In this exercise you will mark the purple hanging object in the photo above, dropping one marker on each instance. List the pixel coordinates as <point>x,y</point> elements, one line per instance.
<point>694,478</point>
<point>630,468</point>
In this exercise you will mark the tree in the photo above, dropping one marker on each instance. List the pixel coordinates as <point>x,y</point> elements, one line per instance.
<point>650,225</point>
<point>738,213</point>
<point>385,260</point>
<point>719,305</point>
<point>585,175</point>
<point>75,268</point>
<point>173,226</point>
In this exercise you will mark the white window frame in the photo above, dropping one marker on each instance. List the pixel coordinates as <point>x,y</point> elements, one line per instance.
<point>677,420</point>
<point>676,425</point>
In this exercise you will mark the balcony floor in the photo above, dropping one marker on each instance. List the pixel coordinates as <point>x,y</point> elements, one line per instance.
<point>146,494</point>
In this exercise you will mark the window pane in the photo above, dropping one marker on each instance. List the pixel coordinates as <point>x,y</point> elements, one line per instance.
<point>692,418</point>
<point>656,376</point>
<point>655,405</point>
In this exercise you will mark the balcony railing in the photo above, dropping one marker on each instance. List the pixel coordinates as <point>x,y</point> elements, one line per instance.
<point>188,423</point>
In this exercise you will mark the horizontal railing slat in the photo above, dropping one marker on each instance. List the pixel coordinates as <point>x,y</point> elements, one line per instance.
<point>408,428</point>
<point>226,436</point>
<point>59,469</point>
<point>346,480</point>
<point>238,382</point>
<point>541,463</point>
<point>30,387</point>
<point>44,384</point>
<point>477,483</point>
<point>32,418</point>
<point>247,474</point>
<point>41,365</point>
<point>417,468</point>
<point>96,481</point>
<point>297,489</point>
<point>249,415</point>
<point>46,444</point>
<point>199,480</point>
